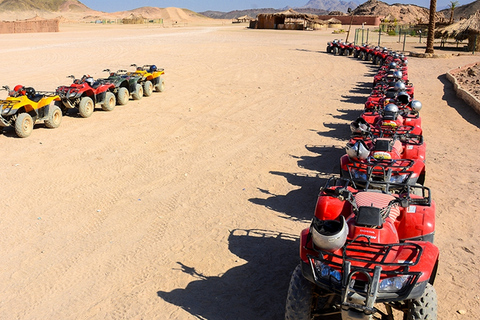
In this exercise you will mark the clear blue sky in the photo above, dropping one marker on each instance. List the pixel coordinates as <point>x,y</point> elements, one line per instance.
<point>225,5</point>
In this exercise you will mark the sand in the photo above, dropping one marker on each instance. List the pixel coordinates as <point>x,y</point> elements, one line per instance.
<point>188,204</point>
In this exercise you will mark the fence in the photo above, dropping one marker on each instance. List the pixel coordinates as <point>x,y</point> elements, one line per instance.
<point>29,26</point>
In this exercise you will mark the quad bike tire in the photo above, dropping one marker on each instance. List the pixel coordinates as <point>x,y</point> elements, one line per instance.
<point>24,125</point>
<point>86,107</point>
<point>147,88</point>
<point>138,94</point>
<point>110,102</point>
<point>346,52</point>
<point>299,297</point>
<point>302,299</point>
<point>123,96</point>
<point>424,307</point>
<point>160,86</point>
<point>335,51</point>
<point>54,118</point>
<point>329,49</point>
<point>355,53</point>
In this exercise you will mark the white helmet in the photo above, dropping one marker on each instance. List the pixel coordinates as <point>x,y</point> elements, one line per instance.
<point>359,126</point>
<point>329,235</point>
<point>416,105</point>
<point>403,97</point>
<point>358,150</point>
<point>399,86</point>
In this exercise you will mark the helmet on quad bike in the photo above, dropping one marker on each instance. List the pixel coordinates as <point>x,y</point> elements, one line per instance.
<point>357,150</point>
<point>403,97</point>
<point>399,86</point>
<point>329,235</point>
<point>89,80</point>
<point>360,126</point>
<point>398,74</point>
<point>152,69</point>
<point>416,105</point>
<point>392,65</point>
<point>19,90</point>
<point>390,112</point>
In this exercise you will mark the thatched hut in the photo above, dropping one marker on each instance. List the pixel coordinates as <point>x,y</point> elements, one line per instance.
<point>244,18</point>
<point>289,19</point>
<point>334,23</point>
<point>464,29</point>
<point>133,19</point>
<point>470,29</point>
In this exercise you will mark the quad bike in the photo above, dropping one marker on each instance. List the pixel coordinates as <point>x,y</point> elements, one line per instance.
<point>85,94</point>
<point>24,107</point>
<point>331,45</point>
<point>368,254</point>
<point>125,85</point>
<point>392,116</point>
<point>151,78</point>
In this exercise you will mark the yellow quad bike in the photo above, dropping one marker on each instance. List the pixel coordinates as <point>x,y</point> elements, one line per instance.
<point>24,107</point>
<point>151,78</point>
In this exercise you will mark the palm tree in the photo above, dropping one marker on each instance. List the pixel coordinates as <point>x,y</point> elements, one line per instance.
<point>431,26</point>
<point>453,5</point>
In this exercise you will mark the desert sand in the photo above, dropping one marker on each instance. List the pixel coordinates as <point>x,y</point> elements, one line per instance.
<point>188,204</point>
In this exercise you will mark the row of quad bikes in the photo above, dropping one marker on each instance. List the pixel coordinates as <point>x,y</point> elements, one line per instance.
<point>369,252</point>
<point>24,107</point>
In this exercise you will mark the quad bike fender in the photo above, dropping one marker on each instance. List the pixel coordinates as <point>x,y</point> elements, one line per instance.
<point>371,117</point>
<point>417,222</point>
<point>305,246</point>
<point>414,151</point>
<point>45,101</point>
<point>330,207</point>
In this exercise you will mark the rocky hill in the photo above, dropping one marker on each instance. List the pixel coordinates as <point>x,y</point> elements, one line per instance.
<point>464,11</point>
<point>42,5</point>
<point>331,5</point>
<point>254,12</point>
<point>403,13</point>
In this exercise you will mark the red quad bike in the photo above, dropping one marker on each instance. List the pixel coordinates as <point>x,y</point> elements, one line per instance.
<point>331,45</point>
<point>85,94</point>
<point>368,254</point>
<point>391,117</point>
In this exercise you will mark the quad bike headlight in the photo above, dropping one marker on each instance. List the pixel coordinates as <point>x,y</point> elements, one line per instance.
<point>6,110</point>
<point>327,272</point>
<point>393,284</point>
<point>401,178</point>
<point>359,175</point>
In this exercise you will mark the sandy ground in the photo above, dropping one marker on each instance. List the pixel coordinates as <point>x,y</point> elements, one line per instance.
<point>188,204</point>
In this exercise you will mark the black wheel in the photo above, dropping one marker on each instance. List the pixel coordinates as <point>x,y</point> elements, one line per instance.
<point>425,307</point>
<point>335,51</point>
<point>160,86</point>
<point>24,125</point>
<point>123,96</point>
<point>329,49</point>
<point>110,102</point>
<point>355,53</point>
<point>299,297</point>
<point>303,298</point>
<point>147,88</point>
<point>346,52</point>
<point>138,94</point>
<point>55,116</point>
<point>86,107</point>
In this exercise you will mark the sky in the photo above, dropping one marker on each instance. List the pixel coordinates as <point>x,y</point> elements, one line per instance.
<point>228,5</point>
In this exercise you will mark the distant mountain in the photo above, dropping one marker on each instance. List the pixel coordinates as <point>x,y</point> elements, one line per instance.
<point>464,11</point>
<point>331,5</point>
<point>254,12</point>
<point>42,5</point>
<point>403,13</point>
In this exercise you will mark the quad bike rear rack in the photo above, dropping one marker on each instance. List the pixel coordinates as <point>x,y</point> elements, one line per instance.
<point>376,170</point>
